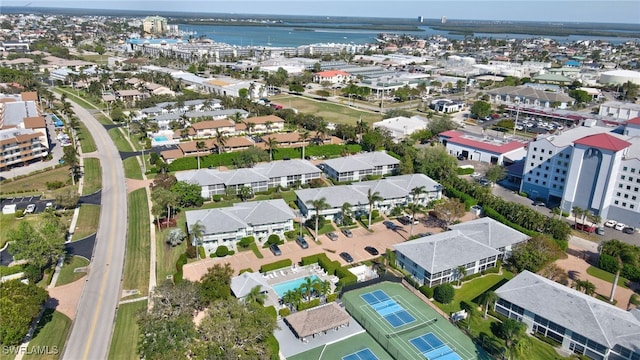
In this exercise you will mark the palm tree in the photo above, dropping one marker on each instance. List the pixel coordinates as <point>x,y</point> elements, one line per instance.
<point>593,218</point>
<point>346,212</point>
<point>614,248</point>
<point>372,197</point>
<point>245,193</point>
<point>197,232</point>
<point>318,205</point>
<point>416,192</point>
<point>577,212</point>
<point>515,340</point>
<point>271,144</point>
<point>414,209</point>
<point>303,137</point>
<point>221,140</point>
<point>292,297</point>
<point>268,125</point>
<point>585,286</point>
<point>322,288</point>
<point>461,271</point>
<point>488,298</point>
<point>308,286</point>
<point>200,145</point>
<point>255,295</point>
<point>361,128</point>
<point>321,132</point>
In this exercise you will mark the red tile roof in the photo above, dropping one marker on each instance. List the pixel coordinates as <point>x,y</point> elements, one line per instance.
<point>480,145</point>
<point>603,141</point>
<point>635,121</point>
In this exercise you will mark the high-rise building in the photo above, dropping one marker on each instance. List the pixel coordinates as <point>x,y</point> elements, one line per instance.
<point>591,167</point>
<point>443,20</point>
<point>154,25</point>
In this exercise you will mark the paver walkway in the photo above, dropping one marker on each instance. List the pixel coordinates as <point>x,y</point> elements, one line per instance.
<point>65,298</point>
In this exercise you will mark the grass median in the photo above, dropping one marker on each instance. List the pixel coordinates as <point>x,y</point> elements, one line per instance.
<point>136,263</point>
<point>88,220</point>
<point>132,169</point>
<point>120,140</point>
<point>67,273</point>
<point>92,176</point>
<point>87,144</point>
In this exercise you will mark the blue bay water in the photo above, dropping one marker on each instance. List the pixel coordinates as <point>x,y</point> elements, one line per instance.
<point>285,36</point>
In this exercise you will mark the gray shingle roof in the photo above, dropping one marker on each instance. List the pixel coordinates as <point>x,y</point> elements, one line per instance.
<point>286,168</point>
<point>242,284</point>
<point>241,215</point>
<point>361,161</point>
<point>490,232</point>
<point>578,312</point>
<point>531,93</point>
<point>444,251</point>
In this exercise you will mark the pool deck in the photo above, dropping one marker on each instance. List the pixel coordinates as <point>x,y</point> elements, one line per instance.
<point>293,273</point>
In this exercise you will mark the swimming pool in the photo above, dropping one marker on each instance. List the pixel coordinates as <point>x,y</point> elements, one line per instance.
<point>282,288</point>
<point>160,138</point>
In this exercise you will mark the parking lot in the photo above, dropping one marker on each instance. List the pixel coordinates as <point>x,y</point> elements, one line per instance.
<point>22,203</point>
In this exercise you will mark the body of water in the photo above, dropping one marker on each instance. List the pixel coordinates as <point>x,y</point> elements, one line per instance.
<point>304,34</point>
<point>282,288</point>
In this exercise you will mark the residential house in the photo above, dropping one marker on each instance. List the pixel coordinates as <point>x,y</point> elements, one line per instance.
<point>358,167</point>
<point>581,323</point>
<point>476,245</point>
<point>395,191</point>
<point>227,226</point>
<point>332,76</point>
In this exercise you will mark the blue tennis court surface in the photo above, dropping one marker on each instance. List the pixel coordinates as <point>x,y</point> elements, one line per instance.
<point>364,354</point>
<point>433,348</point>
<point>388,308</point>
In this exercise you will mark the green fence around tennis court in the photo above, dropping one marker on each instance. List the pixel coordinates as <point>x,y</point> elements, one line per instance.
<point>396,340</point>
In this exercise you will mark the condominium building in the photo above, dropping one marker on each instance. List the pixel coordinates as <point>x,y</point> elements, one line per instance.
<point>594,168</point>
<point>581,323</point>
<point>357,167</point>
<point>154,25</point>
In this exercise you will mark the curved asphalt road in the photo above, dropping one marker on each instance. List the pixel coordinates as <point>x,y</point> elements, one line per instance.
<point>92,328</point>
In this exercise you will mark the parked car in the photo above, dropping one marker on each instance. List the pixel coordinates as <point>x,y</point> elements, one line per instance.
<point>49,205</point>
<point>610,223</point>
<point>619,226</point>
<point>585,227</point>
<point>390,225</point>
<point>600,230</point>
<point>347,233</point>
<point>371,250</point>
<point>30,209</point>
<point>333,236</point>
<point>275,250</point>
<point>404,220</point>
<point>428,233</point>
<point>628,230</point>
<point>346,257</point>
<point>302,242</point>
<point>539,203</point>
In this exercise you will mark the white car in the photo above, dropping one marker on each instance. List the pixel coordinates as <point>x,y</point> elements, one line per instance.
<point>610,223</point>
<point>30,209</point>
<point>620,226</point>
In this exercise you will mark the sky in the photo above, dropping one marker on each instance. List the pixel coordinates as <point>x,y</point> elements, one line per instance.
<point>616,11</point>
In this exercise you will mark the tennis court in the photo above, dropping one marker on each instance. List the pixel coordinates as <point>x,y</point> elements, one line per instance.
<point>364,354</point>
<point>428,335</point>
<point>433,348</point>
<point>388,308</point>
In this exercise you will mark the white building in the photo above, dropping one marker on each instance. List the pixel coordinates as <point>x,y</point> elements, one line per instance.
<point>591,167</point>
<point>619,77</point>
<point>401,127</point>
<point>582,324</point>
<point>498,151</point>
<point>477,245</point>
<point>358,167</point>
<point>226,226</point>
<point>619,110</point>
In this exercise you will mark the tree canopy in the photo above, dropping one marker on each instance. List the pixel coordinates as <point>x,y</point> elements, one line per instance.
<point>19,305</point>
<point>41,246</point>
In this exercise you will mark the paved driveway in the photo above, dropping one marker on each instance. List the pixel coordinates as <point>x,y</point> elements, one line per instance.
<point>381,238</point>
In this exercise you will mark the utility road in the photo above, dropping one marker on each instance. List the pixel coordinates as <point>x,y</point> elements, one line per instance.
<point>92,328</point>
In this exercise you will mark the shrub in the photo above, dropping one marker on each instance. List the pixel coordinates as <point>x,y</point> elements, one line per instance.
<point>290,235</point>
<point>203,254</point>
<point>245,242</point>
<point>375,214</point>
<point>54,185</point>
<point>284,312</point>
<point>444,293</point>
<point>275,265</point>
<point>346,277</point>
<point>608,263</point>
<point>308,305</point>
<point>523,194</point>
<point>427,291</point>
<point>222,251</point>
<point>311,223</point>
<point>19,213</point>
<point>332,297</point>
<point>464,171</point>
<point>231,252</point>
<point>217,198</point>
<point>33,273</point>
<point>191,251</point>
<point>182,260</point>
<point>273,239</point>
<point>472,276</point>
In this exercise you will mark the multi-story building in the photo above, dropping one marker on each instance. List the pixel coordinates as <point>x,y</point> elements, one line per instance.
<point>476,245</point>
<point>357,167</point>
<point>581,323</point>
<point>498,151</point>
<point>594,168</point>
<point>154,25</point>
<point>226,226</point>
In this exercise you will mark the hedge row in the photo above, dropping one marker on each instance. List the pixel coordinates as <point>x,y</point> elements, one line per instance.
<point>275,265</point>
<point>332,268</point>
<point>308,305</point>
<point>466,199</point>
<point>182,261</point>
<point>464,171</point>
<point>245,270</point>
<point>609,264</point>
<point>426,291</point>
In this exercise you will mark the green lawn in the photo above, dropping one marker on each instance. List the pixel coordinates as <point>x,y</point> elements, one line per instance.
<point>67,274</point>
<point>73,96</point>
<point>103,119</point>
<point>51,332</point>
<point>472,289</point>
<point>87,144</point>
<point>36,183</point>
<point>326,228</point>
<point>88,220</point>
<point>132,169</point>
<point>125,334</point>
<point>136,265</point>
<point>120,140</point>
<point>92,176</point>
<point>607,276</point>
<point>9,221</point>
<point>331,112</point>
<point>166,256</point>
